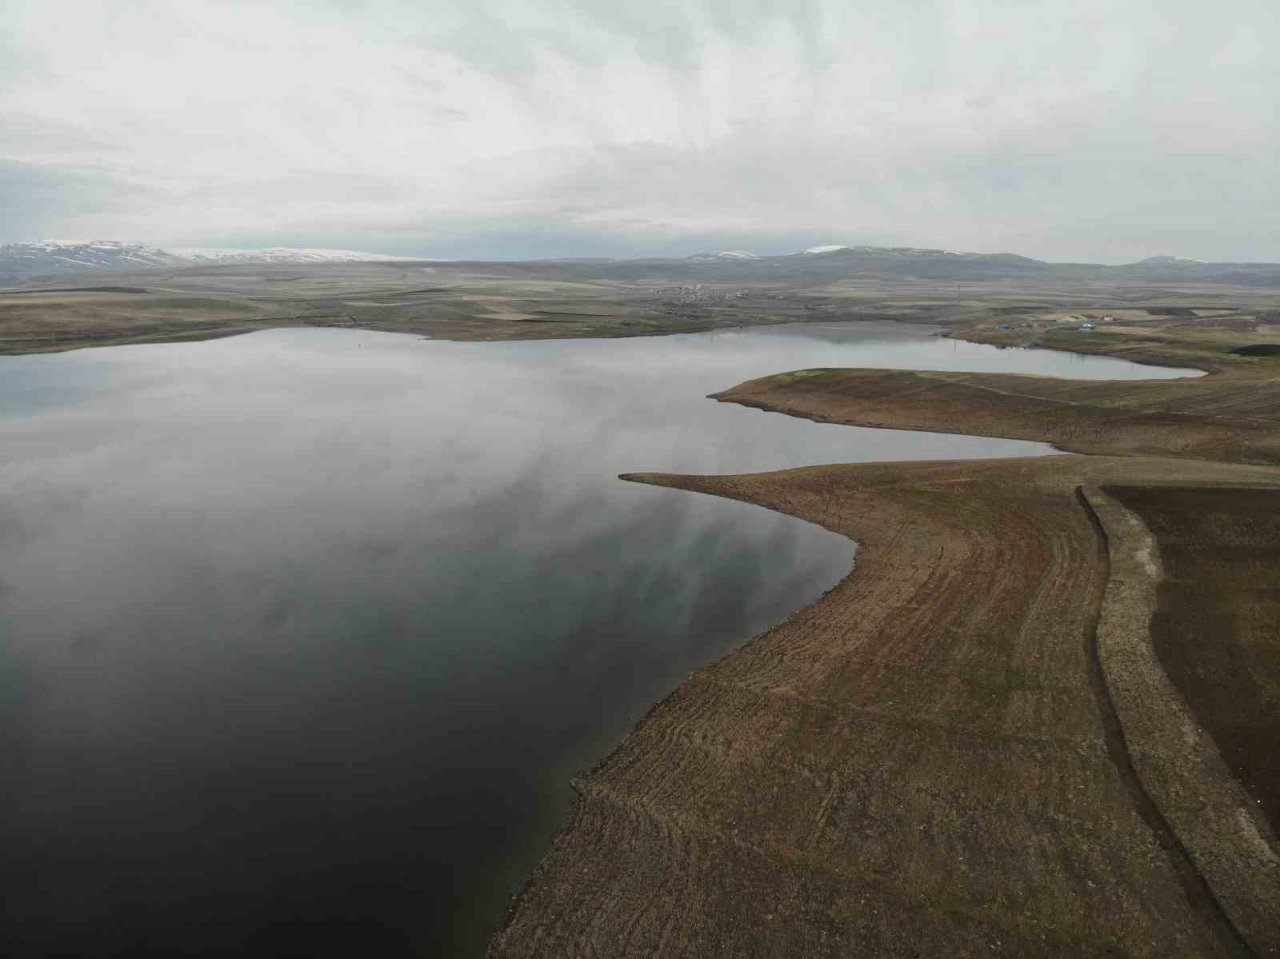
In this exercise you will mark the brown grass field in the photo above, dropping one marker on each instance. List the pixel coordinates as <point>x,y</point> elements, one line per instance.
<point>1217,627</point>
<point>1039,718</point>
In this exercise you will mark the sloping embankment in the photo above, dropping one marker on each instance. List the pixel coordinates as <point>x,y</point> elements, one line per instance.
<point>1214,817</point>
<point>926,762</point>
<point>1225,418</point>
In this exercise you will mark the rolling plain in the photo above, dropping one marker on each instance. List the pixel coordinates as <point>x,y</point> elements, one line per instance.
<point>1039,717</point>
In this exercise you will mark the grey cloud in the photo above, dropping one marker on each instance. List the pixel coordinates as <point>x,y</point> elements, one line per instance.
<point>48,135</point>
<point>489,33</point>
<point>36,200</point>
<point>1100,130</point>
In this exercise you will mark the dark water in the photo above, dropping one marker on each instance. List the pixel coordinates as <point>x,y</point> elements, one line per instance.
<point>303,633</point>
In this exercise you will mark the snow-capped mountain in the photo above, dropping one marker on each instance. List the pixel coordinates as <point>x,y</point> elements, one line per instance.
<point>64,256</point>
<point>280,254</point>
<point>879,250</point>
<point>723,255</point>
<point>21,261</point>
<point>43,263</point>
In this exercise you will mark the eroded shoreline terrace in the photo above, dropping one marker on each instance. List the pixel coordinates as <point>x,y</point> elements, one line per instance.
<point>1038,718</point>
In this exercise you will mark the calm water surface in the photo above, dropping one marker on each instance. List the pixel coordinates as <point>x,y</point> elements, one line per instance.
<point>303,633</point>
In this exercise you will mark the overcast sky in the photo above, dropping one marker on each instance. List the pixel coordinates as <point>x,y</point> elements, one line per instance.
<point>1102,130</point>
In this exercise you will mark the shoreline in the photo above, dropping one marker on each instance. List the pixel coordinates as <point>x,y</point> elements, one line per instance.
<point>692,800</point>
<point>479,302</point>
<point>992,566</point>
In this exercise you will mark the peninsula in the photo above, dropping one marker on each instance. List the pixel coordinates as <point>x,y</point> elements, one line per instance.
<point>1038,718</point>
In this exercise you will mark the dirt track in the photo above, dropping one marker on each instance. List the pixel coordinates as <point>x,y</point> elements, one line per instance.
<point>1217,626</point>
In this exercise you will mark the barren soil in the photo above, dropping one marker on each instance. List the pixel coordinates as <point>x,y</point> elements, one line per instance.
<point>1217,627</point>
<point>442,301</point>
<point>556,299</point>
<point>1220,417</point>
<point>963,749</point>
<point>925,762</point>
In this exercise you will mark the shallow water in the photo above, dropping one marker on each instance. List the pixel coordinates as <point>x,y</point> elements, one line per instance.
<point>303,633</point>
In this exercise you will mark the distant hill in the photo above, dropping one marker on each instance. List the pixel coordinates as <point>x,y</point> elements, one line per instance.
<point>20,262</point>
<point>816,266</point>
<point>833,262</point>
<point>829,264</point>
<point>1176,269</point>
<point>282,254</point>
<point>723,255</point>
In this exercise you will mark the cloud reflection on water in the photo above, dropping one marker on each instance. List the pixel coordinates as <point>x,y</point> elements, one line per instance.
<point>304,632</point>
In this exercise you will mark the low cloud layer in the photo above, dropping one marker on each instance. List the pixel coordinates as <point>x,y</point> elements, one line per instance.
<point>1103,130</point>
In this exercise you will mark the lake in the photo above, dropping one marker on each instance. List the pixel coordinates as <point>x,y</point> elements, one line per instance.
<point>304,633</point>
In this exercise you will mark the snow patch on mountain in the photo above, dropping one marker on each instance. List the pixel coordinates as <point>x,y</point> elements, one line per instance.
<point>281,254</point>
<point>724,255</point>
<point>20,261</point>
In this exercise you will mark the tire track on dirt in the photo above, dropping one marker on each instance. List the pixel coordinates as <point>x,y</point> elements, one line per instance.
<point>1197,888</point>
